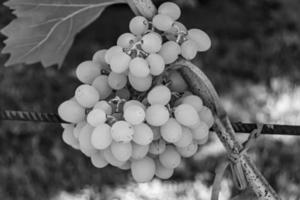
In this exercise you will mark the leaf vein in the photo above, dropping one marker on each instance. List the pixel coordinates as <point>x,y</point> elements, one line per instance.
<point>56,25</point>
<point>69,34</point>
<point>46,22</point>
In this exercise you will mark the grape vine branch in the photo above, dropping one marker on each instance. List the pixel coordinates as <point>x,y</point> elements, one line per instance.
<point>201,86</point>
<point>204,88</point>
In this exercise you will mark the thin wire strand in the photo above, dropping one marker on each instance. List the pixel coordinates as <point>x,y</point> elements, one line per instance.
<point>14,115</point>
<point>271,129</point>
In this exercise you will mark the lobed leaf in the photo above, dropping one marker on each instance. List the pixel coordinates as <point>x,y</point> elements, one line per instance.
<point>44,30</point>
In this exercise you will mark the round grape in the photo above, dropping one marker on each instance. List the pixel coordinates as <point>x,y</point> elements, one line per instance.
<point>170,158</point>
<point>201,131</point>
<point>121,151</point>
<point>203,141</point>
<point>125,166</point>
<point>86,95</point>
<point>189,49</point>
<point>98,159</point>
<point>170,51</point>
<point>180,100</point>
<point>140,84</point>
<point>101,137</point>
<point>194,101</point>
<point>111,52</point>
<point>126,39</point>
<point>117,81</point>
<point>163,172</point>
<point>201,38</point>
<point>98,57</point>
<point>159,95</point>
<point>162,22</point>
<point>78,128</point>
<point>119,62</point>
<point>71,111</point>
<point>96,117</point>
<point>157,115</point>
<point>84,139</point>
<point>177,27</point>
<point>110,158</point>
<point>171,9</point>
<point>88,152</point>
<point>206,116</point>
<point>102,86</point>
<point>186,138</point>
<point>186,115</point>
<point>69,138</point>
<point>133,102</point>
<point>188,151</point>
<point>171,131</point>
<point>134,114</point>
<point>151,42</point>
<point>143,170</point>
<point>122,131</point>
<point>156,64</point>
<point>87,71</point>
<point>143,134</point>
<point>138,25</point>
<point>139,151</point>
<point>104,105</point>
<point>139,67</point>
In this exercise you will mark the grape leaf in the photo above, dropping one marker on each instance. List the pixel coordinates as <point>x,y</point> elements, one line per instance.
<point>44,30</point>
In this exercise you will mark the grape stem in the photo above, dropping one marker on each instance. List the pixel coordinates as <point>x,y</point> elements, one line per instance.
<point>181,35</point>
<point>135,50</point>
<point>117,103</point>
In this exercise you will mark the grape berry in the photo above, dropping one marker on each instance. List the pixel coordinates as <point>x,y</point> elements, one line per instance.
<point>133,109</point>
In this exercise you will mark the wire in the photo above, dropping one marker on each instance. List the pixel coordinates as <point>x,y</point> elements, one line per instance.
<point>30,116</point>
<point>239,127</point>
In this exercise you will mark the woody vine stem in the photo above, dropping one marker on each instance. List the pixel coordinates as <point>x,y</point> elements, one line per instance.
<point>202,87</point>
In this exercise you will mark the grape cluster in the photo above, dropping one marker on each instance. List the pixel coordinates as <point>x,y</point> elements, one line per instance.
<point>132,110</point>
<point>150,46</point>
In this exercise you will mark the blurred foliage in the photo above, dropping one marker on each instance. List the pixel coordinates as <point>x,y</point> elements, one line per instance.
<point>254,64</point>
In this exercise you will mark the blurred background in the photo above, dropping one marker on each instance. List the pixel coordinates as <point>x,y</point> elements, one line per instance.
<point>254,64</point>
